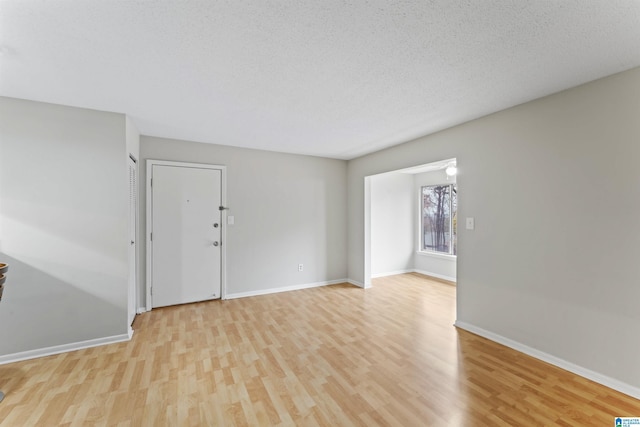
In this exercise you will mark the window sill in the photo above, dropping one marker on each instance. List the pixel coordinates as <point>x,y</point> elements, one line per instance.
<point>437,255</point>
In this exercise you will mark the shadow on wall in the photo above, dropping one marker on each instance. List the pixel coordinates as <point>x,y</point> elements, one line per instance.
<point>39,311</point>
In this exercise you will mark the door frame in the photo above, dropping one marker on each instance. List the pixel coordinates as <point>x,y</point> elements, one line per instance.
<point>149,225</point>
<point>132,161</point>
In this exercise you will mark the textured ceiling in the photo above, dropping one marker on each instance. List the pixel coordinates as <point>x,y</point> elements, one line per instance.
<point>326,77</point>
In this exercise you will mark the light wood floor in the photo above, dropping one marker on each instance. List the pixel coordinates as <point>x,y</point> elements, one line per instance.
<point>330,356</point>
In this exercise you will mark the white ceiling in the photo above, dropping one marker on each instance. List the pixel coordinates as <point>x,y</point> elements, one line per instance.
<point>327,77</point>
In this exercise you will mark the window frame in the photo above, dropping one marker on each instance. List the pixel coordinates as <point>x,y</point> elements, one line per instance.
<point>452,233</point>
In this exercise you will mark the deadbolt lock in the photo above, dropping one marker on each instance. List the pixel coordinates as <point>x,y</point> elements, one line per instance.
<point>215,225</point>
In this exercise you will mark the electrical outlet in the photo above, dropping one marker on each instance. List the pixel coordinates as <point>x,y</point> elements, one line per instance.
<point>300,267</point>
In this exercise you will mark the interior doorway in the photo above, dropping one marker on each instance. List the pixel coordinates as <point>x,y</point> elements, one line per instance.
<point>411,222</point>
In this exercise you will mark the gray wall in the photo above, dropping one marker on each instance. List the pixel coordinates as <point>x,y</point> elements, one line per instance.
<point>289,209</point>
<point>553,186</point>
<point>63,225</point>
<point>393,223</point>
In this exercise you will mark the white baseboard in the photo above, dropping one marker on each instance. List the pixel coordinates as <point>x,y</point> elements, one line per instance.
<point>436,275</point>
<point>553,360</point>
<point>57,349</point>
<point>283,289</point>
<point>358,284</point>
<point>391,273</point>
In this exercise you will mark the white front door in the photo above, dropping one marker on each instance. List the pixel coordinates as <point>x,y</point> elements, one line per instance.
<point>133,229</point>
<point>186,234</point>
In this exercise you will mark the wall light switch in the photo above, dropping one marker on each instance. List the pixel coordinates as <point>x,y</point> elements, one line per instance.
<point>471,224</point>
<point>231,220</point>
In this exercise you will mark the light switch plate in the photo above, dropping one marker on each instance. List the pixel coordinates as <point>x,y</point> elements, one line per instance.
<point>471,223</point>
<point>231,220</point>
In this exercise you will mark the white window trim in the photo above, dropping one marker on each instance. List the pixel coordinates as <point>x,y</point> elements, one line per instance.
<point>421,251</point>
<point>433,254</point>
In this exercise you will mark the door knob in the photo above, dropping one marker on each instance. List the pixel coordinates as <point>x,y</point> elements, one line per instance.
<point>215,243</point>
<point>215,225</point>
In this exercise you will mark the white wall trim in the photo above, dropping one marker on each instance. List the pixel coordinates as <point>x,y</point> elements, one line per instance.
<point>64,348</point>
<point>358,284</point>
<point>427,254</point>
<point>366,277</point>
<point>391,273</point>
<point>136,233</point>
<point>556,361</point>
<point>436,275</point>
<point>283,289</point>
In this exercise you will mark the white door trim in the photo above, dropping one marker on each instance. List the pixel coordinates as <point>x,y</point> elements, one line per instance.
<point>132,303</point>
<point>223,222</point>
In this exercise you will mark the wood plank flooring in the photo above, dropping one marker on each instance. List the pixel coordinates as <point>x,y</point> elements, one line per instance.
<point>329,356</point>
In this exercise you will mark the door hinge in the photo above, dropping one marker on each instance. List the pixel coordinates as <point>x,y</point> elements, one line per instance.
<point>152,182</point>
<point>152,291</point>
<point>152,237</point>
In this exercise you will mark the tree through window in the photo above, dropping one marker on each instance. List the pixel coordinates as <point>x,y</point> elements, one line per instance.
<point>439,218</point>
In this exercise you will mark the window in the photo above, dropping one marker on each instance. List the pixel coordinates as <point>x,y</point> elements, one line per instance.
<point>439,207</point>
